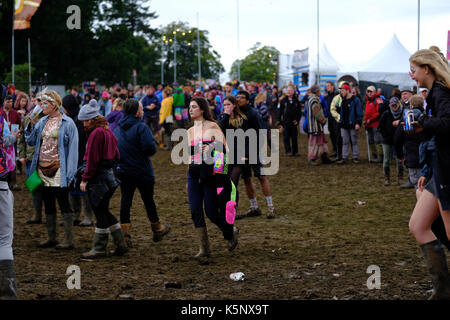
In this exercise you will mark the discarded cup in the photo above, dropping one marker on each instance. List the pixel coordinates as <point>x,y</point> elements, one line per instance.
<point>361,203</point>
<point>237,276</point>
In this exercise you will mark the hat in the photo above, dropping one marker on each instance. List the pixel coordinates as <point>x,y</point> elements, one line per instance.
<point>89,111</point>
<point>393,101</point>
<point>406,88</point>
<point>423,89</point>
<point>371,88</point>
<point>71,105</point>
<point>346,87</point>
<point>105,94</point>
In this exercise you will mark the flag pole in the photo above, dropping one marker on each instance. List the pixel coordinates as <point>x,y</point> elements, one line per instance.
<point>12,68</point>
<point>29,64</point>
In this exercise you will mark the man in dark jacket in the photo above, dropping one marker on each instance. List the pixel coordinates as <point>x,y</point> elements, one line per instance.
<point>254,122</point>
<point>136,145</point>
<point>350,123</point>
<point>289,114</point>
<point>332,124</point>
<point>151,107</point>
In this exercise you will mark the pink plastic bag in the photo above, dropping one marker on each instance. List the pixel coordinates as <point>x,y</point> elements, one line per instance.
<point>230,212</point>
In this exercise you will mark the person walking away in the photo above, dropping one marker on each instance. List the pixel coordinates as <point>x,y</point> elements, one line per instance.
<point>136,146</point>
<point>99,181</point>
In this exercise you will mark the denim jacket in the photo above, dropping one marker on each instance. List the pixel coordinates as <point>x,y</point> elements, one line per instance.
<point>67,147</point>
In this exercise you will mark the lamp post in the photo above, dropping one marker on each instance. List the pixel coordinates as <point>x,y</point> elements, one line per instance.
<point>175,46</point>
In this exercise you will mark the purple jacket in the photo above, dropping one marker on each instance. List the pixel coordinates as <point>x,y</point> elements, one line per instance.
<point>114,118</point>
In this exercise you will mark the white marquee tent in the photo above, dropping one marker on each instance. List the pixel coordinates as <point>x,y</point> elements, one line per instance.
<point>390,65</point>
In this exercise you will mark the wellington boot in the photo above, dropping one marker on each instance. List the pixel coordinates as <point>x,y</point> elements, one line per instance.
<point>437,267</point>
<point>233,242</point>
<point>119,240</point>
<point>51,231</point>
<point>8,287</point>
<point>126,234</point>
<point>160,230</point>
<point>67,243</point>
<point>99,247</point>
<point>205,250</point>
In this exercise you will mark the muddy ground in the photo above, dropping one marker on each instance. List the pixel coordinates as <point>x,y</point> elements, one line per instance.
<point>319,246</point>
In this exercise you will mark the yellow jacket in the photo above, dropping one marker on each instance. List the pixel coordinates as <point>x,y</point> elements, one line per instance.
<point>335,104</point>
<point>166,109</point>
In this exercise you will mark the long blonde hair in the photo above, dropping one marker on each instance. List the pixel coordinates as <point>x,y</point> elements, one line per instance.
<point>435,60</point>
<point>262,96</point>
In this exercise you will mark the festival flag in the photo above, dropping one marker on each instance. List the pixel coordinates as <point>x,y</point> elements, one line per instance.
<point>24,10</point>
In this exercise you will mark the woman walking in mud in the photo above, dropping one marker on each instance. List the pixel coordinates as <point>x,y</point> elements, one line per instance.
<point>209,184</point>
<point>431,70</point>
<point>99,181</point>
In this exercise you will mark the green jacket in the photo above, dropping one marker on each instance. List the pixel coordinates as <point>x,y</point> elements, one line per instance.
<point>24,150</point>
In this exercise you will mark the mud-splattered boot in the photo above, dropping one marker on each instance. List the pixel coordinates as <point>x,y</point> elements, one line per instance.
<point>99,247</point>
<point>67,243</point>
<point>8,287</point>
<point>119,240</point>
<point>51,231</point>
<point>204,253</point>
<point>160,230</point>
<point>437,267</point>
<point>387,177</point>
<point>126,234</point>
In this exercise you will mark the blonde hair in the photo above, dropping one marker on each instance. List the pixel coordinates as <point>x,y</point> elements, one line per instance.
<point>51,96</point>
<point>118,102</point>
<point>260,97</point>
<point>417,101</point>
<point>435,60</point>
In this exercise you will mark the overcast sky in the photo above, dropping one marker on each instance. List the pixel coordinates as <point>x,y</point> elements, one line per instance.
<point>353,31</point>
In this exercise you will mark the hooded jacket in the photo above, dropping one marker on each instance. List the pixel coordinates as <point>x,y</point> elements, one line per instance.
<point>372,112</point>
<point>438,125</point>
<point>147,101</point>
<point>136,145</point>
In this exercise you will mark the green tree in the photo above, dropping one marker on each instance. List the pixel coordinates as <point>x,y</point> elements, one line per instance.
<point>20,75</point>
<point>187,57</point>
<point>259,65</point>
<point>135,15</point>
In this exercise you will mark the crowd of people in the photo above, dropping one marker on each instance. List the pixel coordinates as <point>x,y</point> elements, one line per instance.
<point>82,147</point>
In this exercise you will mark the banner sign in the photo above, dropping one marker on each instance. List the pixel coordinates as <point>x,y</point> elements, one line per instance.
<point>300,58</point>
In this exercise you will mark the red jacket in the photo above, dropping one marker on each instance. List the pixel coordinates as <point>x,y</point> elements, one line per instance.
<point>372,113</point>
<point>13,117</point>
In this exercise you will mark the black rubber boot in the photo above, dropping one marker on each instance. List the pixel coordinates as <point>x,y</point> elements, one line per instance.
<point>8,286</point>
<point>437,267</point>
<point>387,176</point>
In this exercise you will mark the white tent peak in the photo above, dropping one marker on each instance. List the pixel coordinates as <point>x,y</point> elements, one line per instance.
<point>327,61</point>
<point>392,58</point>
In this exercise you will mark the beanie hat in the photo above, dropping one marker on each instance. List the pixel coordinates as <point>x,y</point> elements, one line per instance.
<point>346,87</point>
<point>393,101</point>
<point>89,111</point>
<point>71,105</point>
<point>105,94</point>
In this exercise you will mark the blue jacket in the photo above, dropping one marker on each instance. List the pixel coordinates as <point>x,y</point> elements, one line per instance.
<point>355,116</point>
<point>104,106</point>
<point>67,147</point>
<point>148,100</point>
<point>136,145</point>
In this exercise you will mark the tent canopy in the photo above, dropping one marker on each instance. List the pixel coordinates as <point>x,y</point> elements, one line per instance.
<point>389,65</point>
